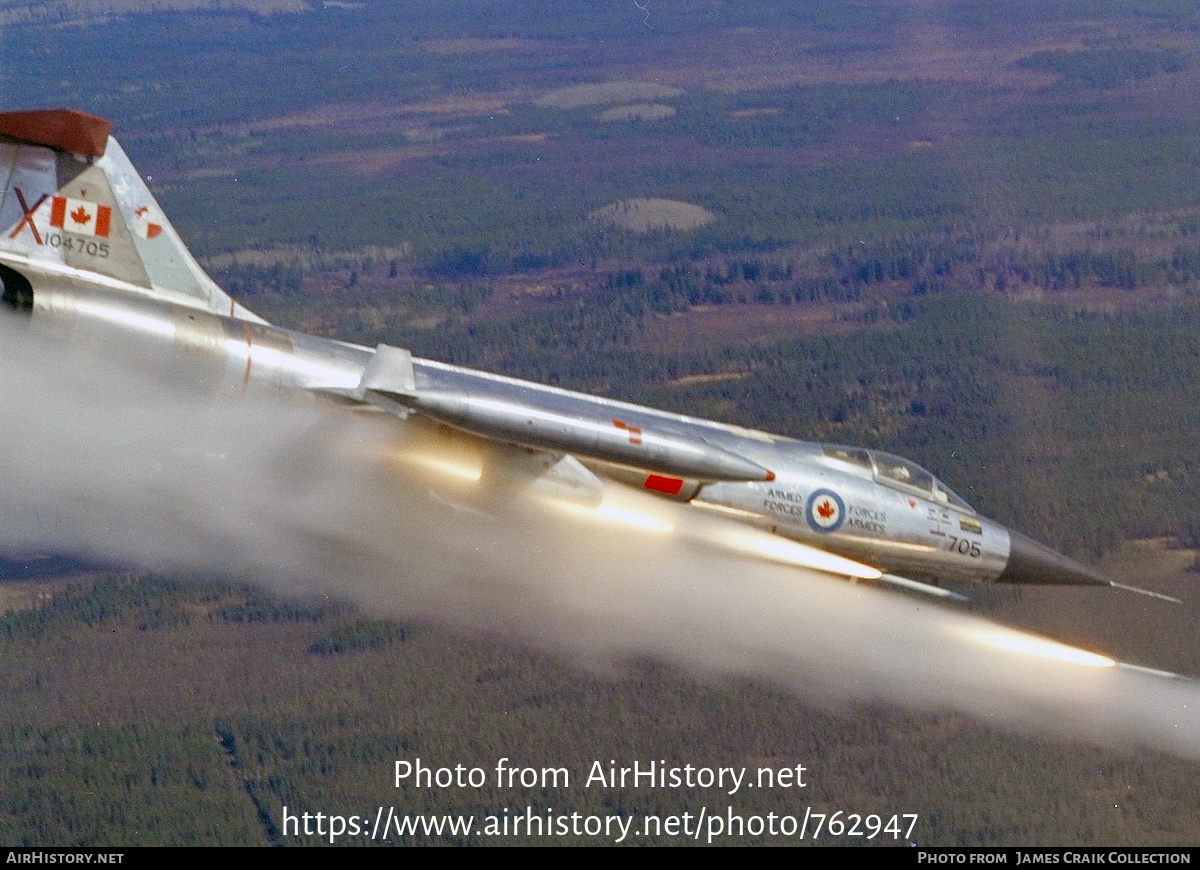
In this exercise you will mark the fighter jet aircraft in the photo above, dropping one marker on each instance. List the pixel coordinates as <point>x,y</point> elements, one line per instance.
<point>86,251</point>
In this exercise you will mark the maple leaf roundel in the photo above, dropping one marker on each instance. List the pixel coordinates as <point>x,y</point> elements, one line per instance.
<point>825,510</point>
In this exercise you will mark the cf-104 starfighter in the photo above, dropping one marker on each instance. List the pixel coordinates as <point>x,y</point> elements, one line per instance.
<point>86,251</point>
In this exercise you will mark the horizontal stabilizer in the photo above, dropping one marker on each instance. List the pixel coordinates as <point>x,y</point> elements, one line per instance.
<point>60,129</point>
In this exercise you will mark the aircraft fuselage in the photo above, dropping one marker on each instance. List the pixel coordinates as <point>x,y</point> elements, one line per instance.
<point>865,505</point>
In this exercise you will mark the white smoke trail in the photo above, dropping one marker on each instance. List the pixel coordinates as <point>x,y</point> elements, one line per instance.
<point>100,460</point>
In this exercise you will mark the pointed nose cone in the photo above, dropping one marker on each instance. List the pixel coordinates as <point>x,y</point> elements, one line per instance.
<point>1031,562</point>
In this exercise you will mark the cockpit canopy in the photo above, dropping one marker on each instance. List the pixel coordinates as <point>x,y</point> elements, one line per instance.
<point>897,472</point>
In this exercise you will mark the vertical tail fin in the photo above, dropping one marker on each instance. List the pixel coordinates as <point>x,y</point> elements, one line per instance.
<point>72,200</point>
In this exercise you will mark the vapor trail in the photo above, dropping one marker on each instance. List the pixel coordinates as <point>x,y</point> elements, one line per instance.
<point>97,458</point>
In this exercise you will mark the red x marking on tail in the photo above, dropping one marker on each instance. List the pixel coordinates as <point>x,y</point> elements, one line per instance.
<point>28,219</point>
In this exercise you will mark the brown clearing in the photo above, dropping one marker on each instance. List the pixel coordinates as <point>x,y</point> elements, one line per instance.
<point>344,115</point>
<point>691,380</point>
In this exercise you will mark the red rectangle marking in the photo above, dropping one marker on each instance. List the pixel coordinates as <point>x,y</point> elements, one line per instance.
<point>103,216</point>
<point>665,485</point>
<point>58,212</point>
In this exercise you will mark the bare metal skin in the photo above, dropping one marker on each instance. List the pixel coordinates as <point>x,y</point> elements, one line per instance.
<point>87,256</point>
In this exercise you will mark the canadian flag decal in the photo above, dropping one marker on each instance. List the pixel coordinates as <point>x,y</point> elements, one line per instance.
<point>80,216</point>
